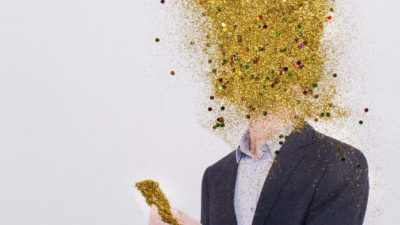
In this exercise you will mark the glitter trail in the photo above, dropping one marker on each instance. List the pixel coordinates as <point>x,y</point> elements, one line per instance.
<point>154,196</point>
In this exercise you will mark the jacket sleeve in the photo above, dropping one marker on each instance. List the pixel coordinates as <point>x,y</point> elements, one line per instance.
<point>204,200</point>
<point>342,194</point>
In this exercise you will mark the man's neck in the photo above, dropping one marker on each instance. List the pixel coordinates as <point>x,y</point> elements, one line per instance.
<point>263,129</point>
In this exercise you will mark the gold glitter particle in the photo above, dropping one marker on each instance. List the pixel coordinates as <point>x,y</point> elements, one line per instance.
<point>154,196</point>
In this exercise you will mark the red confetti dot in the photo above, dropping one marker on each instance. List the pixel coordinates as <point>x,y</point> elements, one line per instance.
<point>329,17</point>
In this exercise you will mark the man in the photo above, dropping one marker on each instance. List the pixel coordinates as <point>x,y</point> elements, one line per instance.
<point>280,176</point>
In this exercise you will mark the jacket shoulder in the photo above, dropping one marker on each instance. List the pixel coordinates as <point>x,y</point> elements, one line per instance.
<point>335,151</point>
<point>219,166</point>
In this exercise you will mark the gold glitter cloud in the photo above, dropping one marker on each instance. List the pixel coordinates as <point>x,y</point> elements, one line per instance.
<point>267,56</point>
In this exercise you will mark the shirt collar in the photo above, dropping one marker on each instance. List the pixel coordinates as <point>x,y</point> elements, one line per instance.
<point>267,148</point>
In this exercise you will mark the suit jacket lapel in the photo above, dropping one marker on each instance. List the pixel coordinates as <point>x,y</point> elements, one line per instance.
<point>289,156</point>
<point>225,191</point>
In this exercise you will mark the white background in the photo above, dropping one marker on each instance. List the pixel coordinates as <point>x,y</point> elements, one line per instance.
<point>87,107</point>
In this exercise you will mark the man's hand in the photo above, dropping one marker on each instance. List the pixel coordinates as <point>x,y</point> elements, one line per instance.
<point>182,218</point>
<point>155,218</point>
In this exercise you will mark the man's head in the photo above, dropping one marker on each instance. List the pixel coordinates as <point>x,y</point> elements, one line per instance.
<point>267,57</point>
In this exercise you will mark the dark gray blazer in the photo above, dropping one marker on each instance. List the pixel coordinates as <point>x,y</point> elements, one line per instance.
<point>314,180</point>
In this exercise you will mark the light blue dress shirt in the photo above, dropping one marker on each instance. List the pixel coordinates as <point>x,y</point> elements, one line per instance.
<point>251,176</point>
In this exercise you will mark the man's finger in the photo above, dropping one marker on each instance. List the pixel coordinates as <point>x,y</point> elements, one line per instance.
<point>155,218</point>
<point>183,218</point>
<point>154,213</point>
<point>176,213</point>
